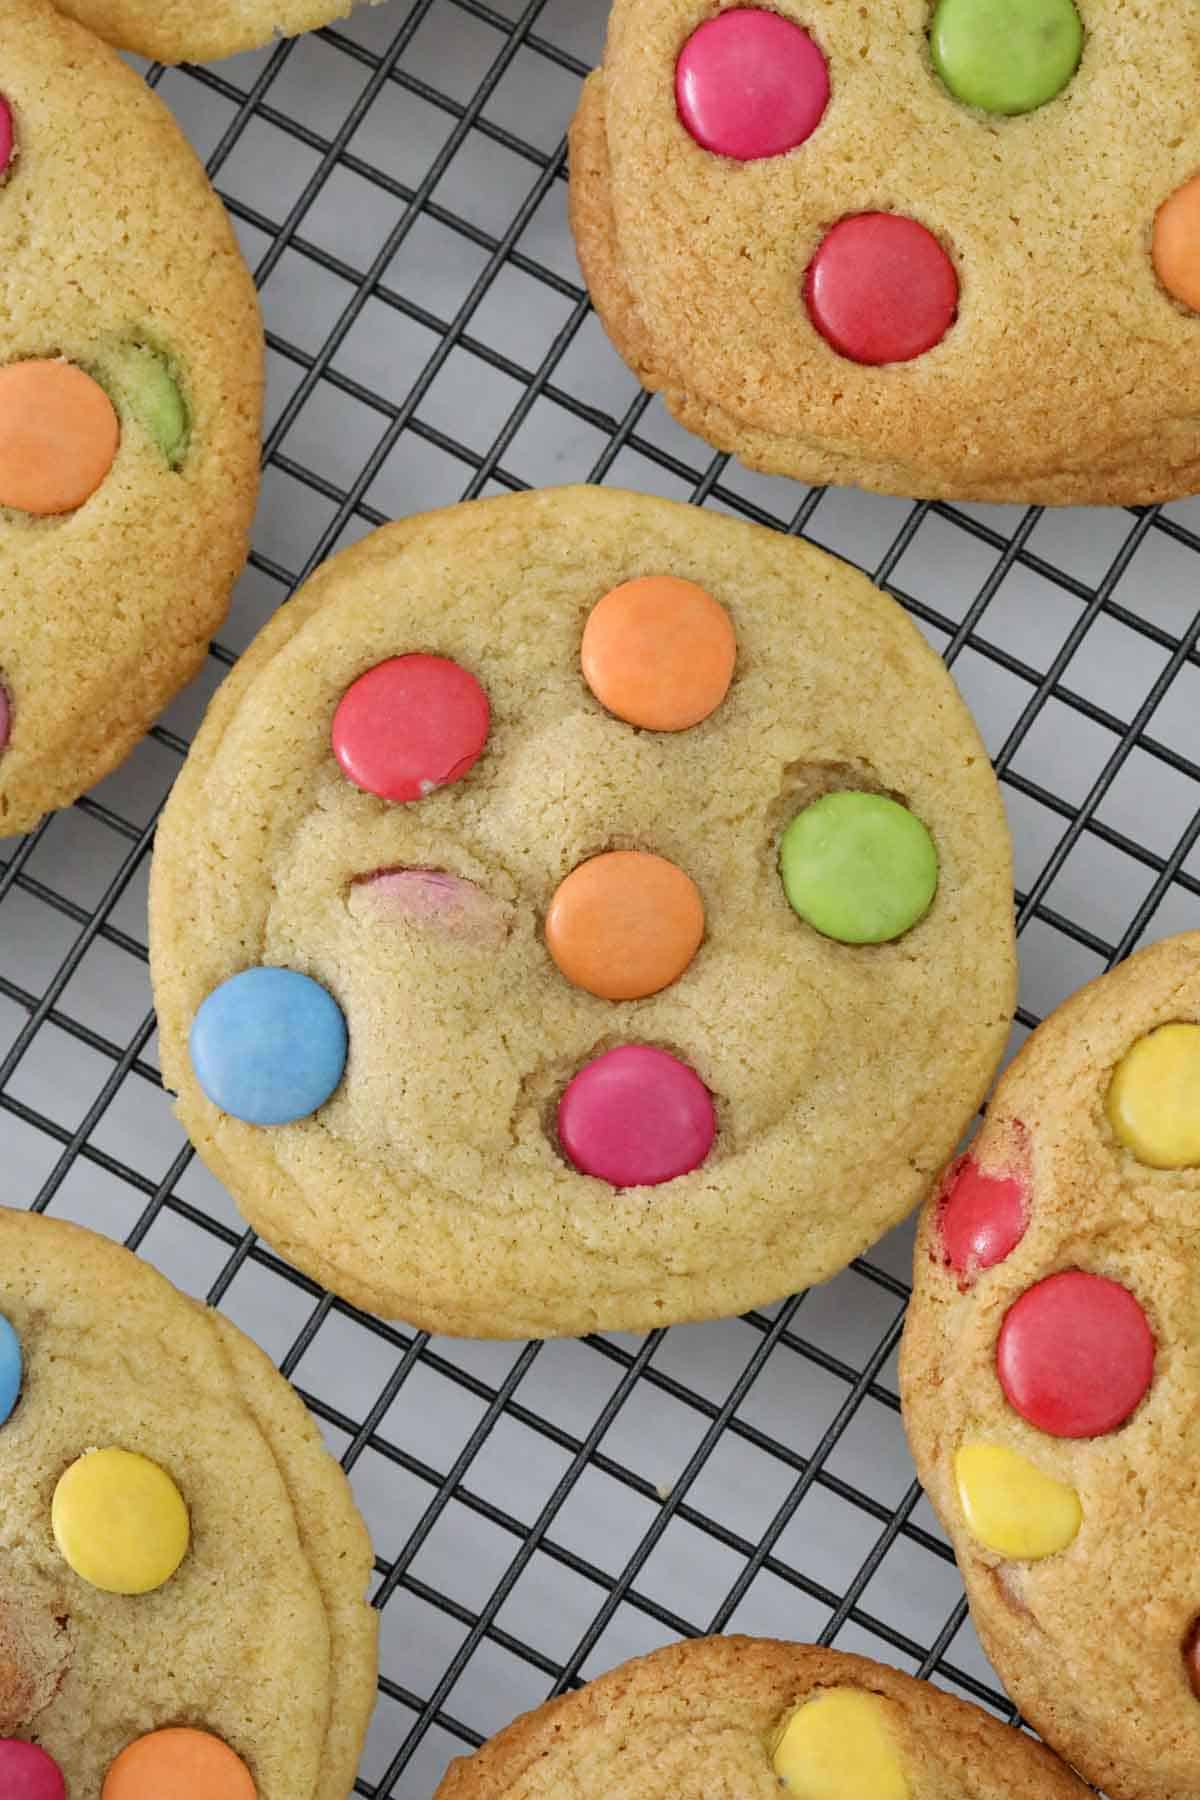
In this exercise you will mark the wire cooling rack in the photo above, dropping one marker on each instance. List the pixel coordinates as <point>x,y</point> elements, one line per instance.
<point>541,1512</point>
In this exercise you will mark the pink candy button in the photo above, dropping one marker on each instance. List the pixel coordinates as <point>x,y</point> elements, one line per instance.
<point>5,718</point>
<point>410,725</point>
<point>430,897</point>
<point>635,1117</point>
<point>1075,1355</point>
<point>982,1217</point>
<point>750,84</point>
<point>881,289</point>
<point>27,1773</point>
<point>7,135</point>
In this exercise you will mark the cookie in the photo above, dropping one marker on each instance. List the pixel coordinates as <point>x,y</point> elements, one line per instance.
<point>1050,1374</point>
<point>578,910</point>
<point>943,249</point>
<point>740,1718</point>
<point>130,394</point>
<point>173,31</point>
<point>182,1568</point>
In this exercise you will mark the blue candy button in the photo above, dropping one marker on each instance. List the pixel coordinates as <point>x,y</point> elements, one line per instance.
<point>10,1369</point>
<point>269,1046</point>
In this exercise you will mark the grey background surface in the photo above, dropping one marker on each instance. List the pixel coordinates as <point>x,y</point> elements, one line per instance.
<point>540,1513</point>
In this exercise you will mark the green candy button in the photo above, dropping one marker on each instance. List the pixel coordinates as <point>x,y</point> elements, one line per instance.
<point>140,382</point>
<point>1006,56</point>
<point>858,867</point>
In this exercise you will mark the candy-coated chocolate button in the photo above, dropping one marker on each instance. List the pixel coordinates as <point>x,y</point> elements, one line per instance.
<point>120,1522</point>
<point>625,924</point>
<point>1176,244</point>
<point>1075,1354</point>
<point>152,394</point>
<point>881,289</point>
<point>1006,56</point>
<point>982,1217</point>
<point>7,135</point>
<point>431,897</point>
<point>750,84</point>
<point>635,1117</point>
<point>269,1046</point>
<point>1011,1507</point>
<point>58,437</point>
<point>858,867</point>
<point>840,1747</point>
<point>659,652</point>
<point>410,725</point>
<point>27,1773</point>
<point>178,1763</point>
<point>1191,1657</point>
<point>11,1368</point>
<point>1153,1098</point>
<point>5,717</point>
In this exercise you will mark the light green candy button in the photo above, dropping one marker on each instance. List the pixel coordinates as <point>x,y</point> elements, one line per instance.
<point>141,383</point>
<point>858,867</point>
<point>1006,56</point>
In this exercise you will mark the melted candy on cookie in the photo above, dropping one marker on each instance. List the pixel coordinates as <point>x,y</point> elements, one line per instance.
<point>5,717</point>
<point>58,436</point>
<point>144,383</point>
<point>409,726</point>
<point>858,867</point>
<point>625,924</point>
<point>10,1369</point>
<point>1153,1100</point>
<point>636,1116</point>
<point>28,1773</point>
<point>178,1761</point>
<point>431,897</point>
<point>1011,1507</point>
<point>120,1522</point>
<point>1176,244</point>
<point>881,289</point>
<point>659,653</point>
<point>981,1217</point>
<point>7,137</point>
<point>839,1747</point>
<point>269,1046</point>
<point>1006,56</point>
<point>1075,1355</point>
<point>750,84</point>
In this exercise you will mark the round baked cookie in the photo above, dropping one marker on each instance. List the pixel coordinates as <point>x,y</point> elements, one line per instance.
<point>937,247</point>
<point>1050,1374</point>
<point>740,1718</point>
<point>173,31</point>
<point>177,1548</point>
<point>489,1005</point>
<point>130,390</point>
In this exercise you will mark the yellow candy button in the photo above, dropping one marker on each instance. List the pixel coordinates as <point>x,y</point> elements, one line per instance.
<point>1013,1508</point>
<point>1154,1098</point>
<point>839,1747</point>
<point>120,1522</point>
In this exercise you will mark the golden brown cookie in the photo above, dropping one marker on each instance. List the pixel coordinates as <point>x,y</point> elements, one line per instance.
<point>461,1173</point>
<point>130,392</point>
<point>739,1718</point>
<point>261,1637</point>
<point>1050,1374</point>
<point>173,31</point>
<point>1059,367</point>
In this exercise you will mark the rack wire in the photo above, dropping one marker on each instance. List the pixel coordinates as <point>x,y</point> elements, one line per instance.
<point>541,1512</point>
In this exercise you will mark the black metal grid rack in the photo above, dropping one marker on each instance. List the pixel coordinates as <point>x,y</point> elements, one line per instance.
<point>540,1512</point>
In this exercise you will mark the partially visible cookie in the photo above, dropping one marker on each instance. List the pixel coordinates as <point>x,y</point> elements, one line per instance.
<point>933,249</point>
<point>580,911</point>
<point>1050,1374</point>
<point>130,395</point>
<point>173,31</point>
<point>739,1718</point>
<point>177,1549</point>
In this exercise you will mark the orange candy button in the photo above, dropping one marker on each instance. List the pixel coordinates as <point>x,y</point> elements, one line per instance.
<point>659,652</point>
<point>58,436</point>
<point>178,1764</point>
<point>1176,246</point>
<point>625,924</point>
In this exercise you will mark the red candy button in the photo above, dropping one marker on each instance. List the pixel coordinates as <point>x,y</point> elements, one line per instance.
<point>750,84</point>
<point>1075,1355</point>
<point>982,1217</point>
<point>635,1117</point>
<point>410,725</point>
<point>6,135</point>
<point>881,289</point>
